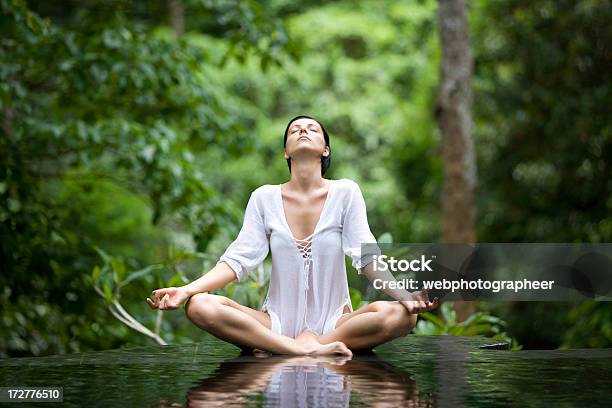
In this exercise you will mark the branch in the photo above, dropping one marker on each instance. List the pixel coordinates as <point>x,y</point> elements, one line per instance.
<point>136,325</point>
<point>124,317</point>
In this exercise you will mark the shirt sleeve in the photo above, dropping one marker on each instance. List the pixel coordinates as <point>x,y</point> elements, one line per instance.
<point>251,246</point>
<point>356,231</point>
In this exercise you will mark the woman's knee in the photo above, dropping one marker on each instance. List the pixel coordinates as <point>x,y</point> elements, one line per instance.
<point>203,309</point>
<point>406,323</point>
<point>383,307</point>
<point>397,320</point>
<point>387,315</point>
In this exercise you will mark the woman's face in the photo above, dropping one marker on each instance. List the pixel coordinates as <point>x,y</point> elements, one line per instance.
<point>305,138</point>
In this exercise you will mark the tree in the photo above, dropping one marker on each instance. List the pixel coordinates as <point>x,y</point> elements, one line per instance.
<point>453,112</point>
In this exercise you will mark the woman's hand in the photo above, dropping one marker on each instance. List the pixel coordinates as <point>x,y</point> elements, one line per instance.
<point>171,298</point>
<point>421,302</point>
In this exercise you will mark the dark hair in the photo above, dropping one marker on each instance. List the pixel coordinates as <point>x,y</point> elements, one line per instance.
<point>325,161</point>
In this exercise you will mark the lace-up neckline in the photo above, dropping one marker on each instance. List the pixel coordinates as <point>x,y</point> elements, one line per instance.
<point>305,246</point>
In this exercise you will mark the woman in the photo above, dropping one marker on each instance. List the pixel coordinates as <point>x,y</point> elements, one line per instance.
<point>309,224</point>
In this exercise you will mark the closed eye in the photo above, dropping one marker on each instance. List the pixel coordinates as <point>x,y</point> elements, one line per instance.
<point>313,129</point>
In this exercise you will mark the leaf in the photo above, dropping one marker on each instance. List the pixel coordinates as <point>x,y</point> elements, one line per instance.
<point>95,274</point>
<point>356,297</point>
<point>426,328</point>
<point>102,254</point>
<point>478,329</point>
<point>472,319</point>
<point>448,313</point>
<point>385,238</point>
<point>494,320</point>
<point>118,269</point>
<point>139,274</point>
<point>433,318</point>
<point>176,278</point>
<point>108,292</point>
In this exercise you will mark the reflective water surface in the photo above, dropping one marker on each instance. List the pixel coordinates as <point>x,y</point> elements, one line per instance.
<point>413,371</point>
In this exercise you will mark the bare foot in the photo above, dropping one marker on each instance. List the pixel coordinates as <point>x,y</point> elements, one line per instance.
<point>336,347</point>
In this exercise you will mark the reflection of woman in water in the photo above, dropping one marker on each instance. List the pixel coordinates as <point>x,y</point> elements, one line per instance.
<point>307,381</point>
<point>308,224</point>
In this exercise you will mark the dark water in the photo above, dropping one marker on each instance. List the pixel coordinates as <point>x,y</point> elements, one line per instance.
<point>408,372</point>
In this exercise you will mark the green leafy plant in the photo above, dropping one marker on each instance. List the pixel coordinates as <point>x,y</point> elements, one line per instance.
<point>252,290</point>
<point>109,279</point>
<point>479,323</point>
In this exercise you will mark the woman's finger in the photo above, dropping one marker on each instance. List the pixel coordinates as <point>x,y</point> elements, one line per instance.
<point>165,301</point>
<point>160,292</point>
<point>433,305</point>
<point>151,303</point>
<point>155,303</point>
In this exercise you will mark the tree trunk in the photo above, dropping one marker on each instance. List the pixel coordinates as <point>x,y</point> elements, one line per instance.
<point>453,113</point>
<point>176,9</point>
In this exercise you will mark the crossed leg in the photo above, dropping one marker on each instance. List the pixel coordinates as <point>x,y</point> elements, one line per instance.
<point>371,325</point>
<point>367,327</point>
<point>243,326</point>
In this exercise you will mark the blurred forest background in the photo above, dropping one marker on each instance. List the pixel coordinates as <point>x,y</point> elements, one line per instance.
<point>132,133</point>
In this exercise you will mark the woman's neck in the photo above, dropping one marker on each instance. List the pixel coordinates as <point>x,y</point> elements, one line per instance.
<point>306,175</point>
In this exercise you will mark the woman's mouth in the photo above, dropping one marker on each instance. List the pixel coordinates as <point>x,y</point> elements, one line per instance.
<point>303,137</point>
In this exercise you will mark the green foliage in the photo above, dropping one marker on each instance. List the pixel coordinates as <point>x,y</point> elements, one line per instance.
<point>543,86</point>
<point>479,323</point>
<point>589,326</point>
<point>119,135</point>
<point>544,137</point>
<point>95,98</point>
<point>357,300</point>
<point>252,290</point>
<point>111,279</point>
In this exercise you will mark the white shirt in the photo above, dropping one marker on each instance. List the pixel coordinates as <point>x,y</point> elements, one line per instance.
<point>308,284</point>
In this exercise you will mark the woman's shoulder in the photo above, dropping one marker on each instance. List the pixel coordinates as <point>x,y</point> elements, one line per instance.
<point>346,185</point>
<point>345,182</point>
<point>264,192</point>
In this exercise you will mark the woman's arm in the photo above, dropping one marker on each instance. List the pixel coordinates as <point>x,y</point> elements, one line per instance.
<point>386,276</point>
<point>173,297</point>
<point>217,278</point>
<point>242,256</point>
